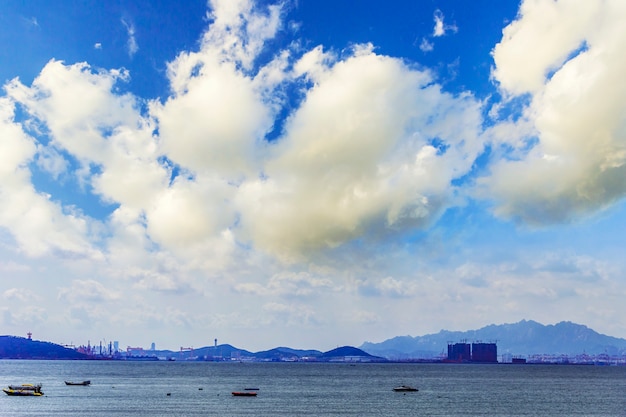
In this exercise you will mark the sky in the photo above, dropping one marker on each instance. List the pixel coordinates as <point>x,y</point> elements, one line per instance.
<point>309,173</point>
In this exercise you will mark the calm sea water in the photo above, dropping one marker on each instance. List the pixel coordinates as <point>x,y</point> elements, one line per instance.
<point>307,389</point>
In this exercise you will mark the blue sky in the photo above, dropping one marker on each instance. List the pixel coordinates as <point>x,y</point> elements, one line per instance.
<point>309,173</point>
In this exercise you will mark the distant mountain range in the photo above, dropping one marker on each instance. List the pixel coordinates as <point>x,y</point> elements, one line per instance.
<point>524,338</point>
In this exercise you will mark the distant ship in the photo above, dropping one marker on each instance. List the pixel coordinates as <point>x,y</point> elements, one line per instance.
<point>404,388</point>
<point>140,358</point>
<point>83,383</point>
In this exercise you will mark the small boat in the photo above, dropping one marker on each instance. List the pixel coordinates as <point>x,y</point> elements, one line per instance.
<point>244,393</point>
<point>404,388</point>
<point>24,390</point>
<point>83,383</point>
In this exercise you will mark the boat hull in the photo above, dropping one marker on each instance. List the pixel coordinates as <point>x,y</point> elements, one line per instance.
<point>244,393</point>
<point>82,383</point>
<point>22,392</point>
<point>404,388</point>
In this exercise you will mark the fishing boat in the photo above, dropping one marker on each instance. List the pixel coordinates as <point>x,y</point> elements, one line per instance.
<point>24,390</point>
<point>83,383</point>
<point>404,388</point>
<point>244,393</point>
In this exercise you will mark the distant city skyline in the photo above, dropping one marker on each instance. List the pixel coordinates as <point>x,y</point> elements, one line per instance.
<point>523,342</point>
<point>309,174</point>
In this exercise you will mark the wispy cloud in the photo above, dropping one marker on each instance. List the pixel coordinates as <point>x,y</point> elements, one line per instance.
<point>131,44</point>
<point>86,291</point>
<point>441,28</point>
<point>426,45</point>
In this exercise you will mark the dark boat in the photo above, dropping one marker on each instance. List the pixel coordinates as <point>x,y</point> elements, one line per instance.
<point>83,383</point>
<point>24,390</point>
<point>404,388</point>
<point>244,393</point>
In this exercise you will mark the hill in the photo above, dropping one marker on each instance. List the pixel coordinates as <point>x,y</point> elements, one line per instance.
<point>228,352</point>
<point>207,352</point>
<point>13,347</point>
<point>526,337</point>
<point>281,353</point>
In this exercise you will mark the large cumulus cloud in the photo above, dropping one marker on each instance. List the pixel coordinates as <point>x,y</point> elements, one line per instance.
<point>372,148</point>
<point>566,56</point>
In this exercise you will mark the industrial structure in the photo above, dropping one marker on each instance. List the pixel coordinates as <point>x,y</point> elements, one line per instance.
<point>476,352</point>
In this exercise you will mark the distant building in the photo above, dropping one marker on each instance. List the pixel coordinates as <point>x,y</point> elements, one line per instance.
<point>476,352</point>
<point>459,352</point>
<point>484,352</point>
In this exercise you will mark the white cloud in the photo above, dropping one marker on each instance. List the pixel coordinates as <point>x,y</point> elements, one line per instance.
<point>288,284</point>
<point>204,130</point>
<point>38,224</point>
<point>16,149</point>
<point>131,44</point>
<point>239,30</point>
<point>576,110</point>
<point>356,158</point>
<point>364,317</point>
<point>388,287</point>
<point>85,119</point>
<point>83,292</point>
<point>547,31</point>
<point>77,105</point>
<point>426,45</point>
<point>291,314</point>
<point>440,28</point>
<point>51,161</point>
<point>12,267</point>
<point>23,295</point>
<point>27,316</point>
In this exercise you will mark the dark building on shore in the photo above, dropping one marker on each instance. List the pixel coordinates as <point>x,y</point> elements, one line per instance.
<point>484,352</point>
<point>459,352</point>
<point>476,352</point>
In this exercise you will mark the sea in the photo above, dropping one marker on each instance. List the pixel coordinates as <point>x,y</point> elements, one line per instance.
<point>128,388</point>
